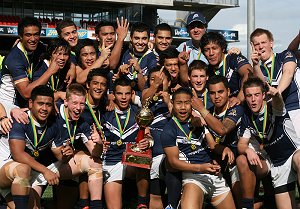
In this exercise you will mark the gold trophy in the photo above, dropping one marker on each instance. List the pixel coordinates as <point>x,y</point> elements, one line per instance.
<point>133,156</point>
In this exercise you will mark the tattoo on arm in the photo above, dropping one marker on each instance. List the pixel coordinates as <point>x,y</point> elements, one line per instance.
<point>229,125</point>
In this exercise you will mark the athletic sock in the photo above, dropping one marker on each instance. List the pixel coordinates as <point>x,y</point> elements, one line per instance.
<point>174,186</point>
<point>247,203</point>
<point>83,203</point>
<point>21,201</point>
<point>95,204</point>
<point>143,200</point>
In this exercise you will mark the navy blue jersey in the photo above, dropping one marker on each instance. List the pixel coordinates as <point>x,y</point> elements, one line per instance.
<point>57,84</point>
<point>146,61</point>
<point>173,136</point>
<point>235,114</point>
<point>278,135</point>
<point>291,93</point>
<point>15,70</point>
<point>233,64</point>
<point>73,58</point>
<point>25,132</point>
<point>112,133</point>
<point>206,99</point>
<point>82,133</point>
<point>161,112</point>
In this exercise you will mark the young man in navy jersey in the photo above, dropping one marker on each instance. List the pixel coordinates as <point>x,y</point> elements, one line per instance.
<point>186,151</point>
<point>234,67</point>
<point>223,122</point>
<point>121,128</point>
<point>279,70</point>
<point>95,104</point>
<point>77,132</point>
<point>21,62</point>
<point>267,127</point>
<point>109,36</point>
<point>158,92</point>
<point>162,38</point>
<point>138,60</point>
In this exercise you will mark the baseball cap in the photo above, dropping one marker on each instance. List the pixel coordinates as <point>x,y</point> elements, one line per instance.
<point>197,16</point>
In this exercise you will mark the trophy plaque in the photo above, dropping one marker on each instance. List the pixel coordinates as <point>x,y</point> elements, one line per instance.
<point>133,156</point>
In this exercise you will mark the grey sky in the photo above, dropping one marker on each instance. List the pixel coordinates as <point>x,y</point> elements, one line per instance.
<point>281,17</point>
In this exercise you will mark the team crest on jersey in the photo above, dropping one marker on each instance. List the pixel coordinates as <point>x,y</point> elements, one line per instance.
<point>233,112</point>
<point>240,59</point>
<point>288,55</point>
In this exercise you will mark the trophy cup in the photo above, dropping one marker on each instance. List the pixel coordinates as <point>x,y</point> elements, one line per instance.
<point>133,156</point>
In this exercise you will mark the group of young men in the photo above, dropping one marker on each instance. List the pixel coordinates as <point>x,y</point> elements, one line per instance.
<point>220,124</point>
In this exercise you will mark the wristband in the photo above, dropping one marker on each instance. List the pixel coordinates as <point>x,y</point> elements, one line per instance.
<point>204,112</point>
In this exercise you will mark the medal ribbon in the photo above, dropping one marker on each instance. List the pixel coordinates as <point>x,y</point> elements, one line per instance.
<point>36,141</point>
<point>134,74</point>
<point>53,86</point>
<point>72,137</point>
<point>180,127</point>
<point>205,98</point>
<point>270,73</point>
<point>199,55</point>
<point>96,120</point>
<point>121,130</point>
<point>261,136</point>
<point>30,65</point>
<point>223,68</point>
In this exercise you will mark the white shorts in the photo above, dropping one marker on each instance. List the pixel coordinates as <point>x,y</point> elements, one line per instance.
<point>211,185</point>
<point>38,179</point>
<point>155,167</point>
<point>234,174</point>
<point>114,172</point>
<point>295,118</point>
<point>283,176</point>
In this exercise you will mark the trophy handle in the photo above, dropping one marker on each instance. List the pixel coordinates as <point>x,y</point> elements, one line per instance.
<point>140,135</point>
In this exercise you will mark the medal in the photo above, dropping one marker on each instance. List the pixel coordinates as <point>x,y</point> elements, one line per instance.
<point>155,98</point>
<point>119,142</point>
<point>218,140</point>
<point>193,146</point>
<point>36,153</point>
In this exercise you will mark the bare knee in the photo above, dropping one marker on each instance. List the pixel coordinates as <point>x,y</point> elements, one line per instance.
<point>242,164</point>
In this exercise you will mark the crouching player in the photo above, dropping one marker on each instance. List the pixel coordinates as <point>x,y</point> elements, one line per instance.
<point>186,151</point>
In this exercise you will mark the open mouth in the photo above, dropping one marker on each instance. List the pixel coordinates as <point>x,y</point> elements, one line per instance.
<point>173,74</point>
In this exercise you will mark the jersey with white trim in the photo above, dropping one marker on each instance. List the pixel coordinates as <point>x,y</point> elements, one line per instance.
<point>15,70</point>
<point>161,116</point>
<point>112,133</point>
<point>147,62</point>
<point>73,58</point>
<point>24,132</point>
<point>291,95</point>
<point>233,65</point>
<point>195,53</point>
<point>82,133</point>
<point>172,136</point>
<point>235,114</point>
<point>278,136</point>
<point>59,77</point>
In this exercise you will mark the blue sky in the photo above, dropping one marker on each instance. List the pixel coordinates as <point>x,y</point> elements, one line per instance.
<point>281,17</point>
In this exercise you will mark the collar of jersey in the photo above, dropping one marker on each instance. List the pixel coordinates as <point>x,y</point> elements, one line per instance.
<point>221,64</point>
<point>122,112</point>
<point>35,122</point>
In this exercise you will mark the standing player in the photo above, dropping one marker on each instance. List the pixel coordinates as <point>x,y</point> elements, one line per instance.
<point>162,38</point>
<point>279,70</point>
<point>234,67</point>
<point>121,128</point>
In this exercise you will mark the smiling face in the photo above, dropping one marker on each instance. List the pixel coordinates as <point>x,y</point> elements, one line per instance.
<point>182,107</point>
<point>263,45</point>
<point>163,39</point>
<point>139,41</point>
<point>30,38</point>
<point>254,98</point>
<point>62,56</point>
<point>198,79</point>
<point>70,34</point>
<point>97,88</point>
<point>41,108</point>
<point>219,95</point>
<point>107,34</point>
<point>123,96</point>
<point>213,53</point>
<point>196,30</point>
<point>75,106</point>
<point>88,56</point>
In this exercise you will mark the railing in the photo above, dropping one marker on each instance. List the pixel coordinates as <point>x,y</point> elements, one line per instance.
<point>213,2</point>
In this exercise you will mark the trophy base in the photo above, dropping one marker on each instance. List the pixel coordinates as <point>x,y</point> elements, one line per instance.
<point>136,158</point>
